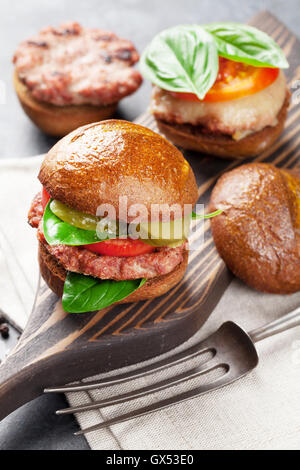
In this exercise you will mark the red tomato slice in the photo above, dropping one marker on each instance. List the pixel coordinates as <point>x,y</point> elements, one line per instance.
<point>120,247</point>
<point>45,198</point>
<point>234,80</point>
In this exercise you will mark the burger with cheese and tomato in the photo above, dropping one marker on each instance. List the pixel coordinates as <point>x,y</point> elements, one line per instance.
<point>217,89</point>
<point>104,230</point>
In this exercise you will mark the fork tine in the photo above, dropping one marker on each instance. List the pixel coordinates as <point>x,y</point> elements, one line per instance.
<point>220,382</point>
<point>189,353</point>
<point>141,392</point>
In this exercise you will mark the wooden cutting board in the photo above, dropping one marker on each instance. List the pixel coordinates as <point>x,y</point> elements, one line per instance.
<point>57,348</point>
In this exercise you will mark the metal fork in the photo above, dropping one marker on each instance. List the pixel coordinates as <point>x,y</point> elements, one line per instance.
<point>231,350</point>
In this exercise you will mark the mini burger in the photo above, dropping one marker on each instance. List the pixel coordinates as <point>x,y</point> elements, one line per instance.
<point>68,76</point>
<point>217,89</point>
<point>105,234</point>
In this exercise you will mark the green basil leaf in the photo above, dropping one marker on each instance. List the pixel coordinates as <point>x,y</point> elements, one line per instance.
<point>247,44</point>
<point>58,232</point>
<point>206,216</point>
<point>183,59</point>
<point>86,293</point>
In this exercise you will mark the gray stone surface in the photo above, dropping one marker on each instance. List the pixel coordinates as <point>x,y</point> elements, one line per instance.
<point>35,426</point>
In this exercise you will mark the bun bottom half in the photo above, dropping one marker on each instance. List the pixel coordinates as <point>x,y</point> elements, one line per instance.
<point>59,121</point>
<point>191,137</point>
<point>54,274</point>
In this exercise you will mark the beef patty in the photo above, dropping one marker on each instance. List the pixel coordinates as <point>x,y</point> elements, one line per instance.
<point>79,259</point>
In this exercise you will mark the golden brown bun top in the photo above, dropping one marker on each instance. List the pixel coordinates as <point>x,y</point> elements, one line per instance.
<point>99,162</point>
<point>258,232</point>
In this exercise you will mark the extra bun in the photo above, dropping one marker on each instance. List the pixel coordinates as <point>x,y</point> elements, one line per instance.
<point>54,275</point>
<point>97,164</point>
<point>192,138</point>
<point>258,232</point>
<point>59,120</point>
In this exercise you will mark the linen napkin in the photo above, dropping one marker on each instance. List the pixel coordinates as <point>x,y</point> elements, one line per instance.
<point>260,411</point>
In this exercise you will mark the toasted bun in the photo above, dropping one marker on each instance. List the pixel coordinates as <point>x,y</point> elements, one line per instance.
<point>54,275</point>
<point>97,164</point>
<point>59,120</point>
<point>257,234</point>
<point>192,138</point>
